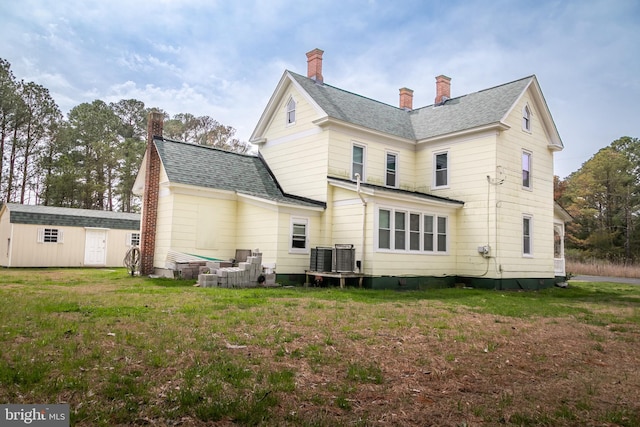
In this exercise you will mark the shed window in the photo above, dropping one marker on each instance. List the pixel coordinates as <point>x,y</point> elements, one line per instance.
<point>133,239</point>
<point>49,235</point>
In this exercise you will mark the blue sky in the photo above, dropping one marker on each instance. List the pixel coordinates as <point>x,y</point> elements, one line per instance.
<point>224,58</point>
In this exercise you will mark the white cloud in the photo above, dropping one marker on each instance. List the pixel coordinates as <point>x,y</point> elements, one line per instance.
<point>223,59</point>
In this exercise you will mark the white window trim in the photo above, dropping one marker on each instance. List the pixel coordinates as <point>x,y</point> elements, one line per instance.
<point>129,238</point>
<point>530,253</point>
<point>435,154</point>
<point>408,249</point>
<point>397,175</point>
<point>526,118</point>
<point>530,154</point>
<point>364,161</point>
<point>288,110</point>
<point>41,235</point>
<point>295,221</point>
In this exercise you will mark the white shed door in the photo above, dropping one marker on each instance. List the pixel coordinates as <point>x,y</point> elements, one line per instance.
<point>95,248</point>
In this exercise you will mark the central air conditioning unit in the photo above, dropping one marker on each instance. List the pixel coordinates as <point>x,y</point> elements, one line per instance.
<point>321,259</point>
<point>345,259</point>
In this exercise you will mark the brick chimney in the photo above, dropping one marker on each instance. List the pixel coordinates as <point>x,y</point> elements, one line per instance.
<point>150,196</point>
<point>406,99</point>
<point>314,65</point>
<point>443,88</point>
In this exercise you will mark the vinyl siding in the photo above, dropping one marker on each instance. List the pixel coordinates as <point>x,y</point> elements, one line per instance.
<point>470,160</point>
<point>204,226</point>
<point>297,154</point>
<point>295,263</point>
<point>256,229</point>
<point>340,158</point>
<point>514,201</point>
<point>27,252</point>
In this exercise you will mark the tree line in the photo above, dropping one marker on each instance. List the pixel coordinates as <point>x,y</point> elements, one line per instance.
<point>603,197</point>
<point>89,159</point>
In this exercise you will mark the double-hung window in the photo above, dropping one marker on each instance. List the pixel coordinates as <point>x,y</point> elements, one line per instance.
<point>527,249</point>
<point>391,179</point>
<point>428,233</point>
<point>526,170</point>
<point>401,231</point>
<point>400,227</point>
<point>299,235</point>
<point>440,170</point>
<point>291,112</point>
<point>384,229</point>
<point>414,232</point>
<point>357,161</point>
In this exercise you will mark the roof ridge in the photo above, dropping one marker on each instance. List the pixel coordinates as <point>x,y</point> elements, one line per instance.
<point>419,108</point>
<point>503,84</point>
<point>350,93</point>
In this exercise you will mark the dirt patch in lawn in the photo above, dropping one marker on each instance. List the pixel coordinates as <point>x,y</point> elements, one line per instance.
<point>425,365</point>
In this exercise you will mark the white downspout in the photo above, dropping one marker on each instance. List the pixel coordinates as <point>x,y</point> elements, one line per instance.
<point>364,221</point>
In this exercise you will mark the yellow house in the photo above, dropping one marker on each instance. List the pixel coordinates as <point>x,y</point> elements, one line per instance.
<point>460,191</point>
<point>46,236</point>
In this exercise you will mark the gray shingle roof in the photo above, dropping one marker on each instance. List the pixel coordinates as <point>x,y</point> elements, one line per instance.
<point>468,111</point>
<point>214,168</point>
<point>356,109</point>
<point>50,215</point>
<point>457,114</point>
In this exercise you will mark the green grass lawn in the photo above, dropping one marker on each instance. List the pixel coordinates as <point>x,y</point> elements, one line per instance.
<point>124,350</point>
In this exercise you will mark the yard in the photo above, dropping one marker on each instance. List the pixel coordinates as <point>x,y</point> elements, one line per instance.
<point>138,351</point>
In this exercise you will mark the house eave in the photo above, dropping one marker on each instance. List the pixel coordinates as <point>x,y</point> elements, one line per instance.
<point>276,203</point>
<point>497,126</point>
<point>327,122</point>
<point>395,194</point>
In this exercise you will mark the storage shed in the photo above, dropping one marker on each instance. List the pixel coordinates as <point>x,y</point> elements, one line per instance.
<point>45,236</point>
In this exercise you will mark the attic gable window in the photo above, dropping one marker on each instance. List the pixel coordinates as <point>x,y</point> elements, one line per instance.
<point>291,112</point>
<point>526,119</point>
